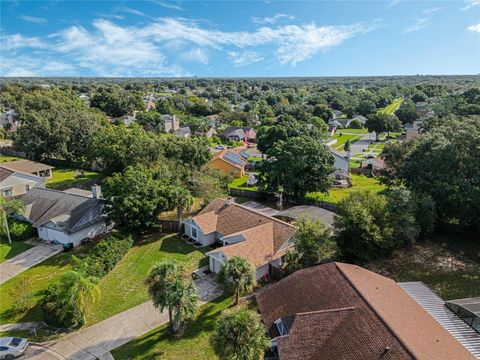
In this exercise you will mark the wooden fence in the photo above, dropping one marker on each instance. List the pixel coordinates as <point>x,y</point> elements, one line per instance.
<point>170,225</point>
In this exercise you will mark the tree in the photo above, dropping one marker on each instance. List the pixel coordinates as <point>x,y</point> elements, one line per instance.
<point>401,216</point>
<point>117,102</point>
<point>298,165</point>
<point>192,152</point>
<point>312,245</point>
<point>362,231</point>
<point>323,112</point>
<point>170,288</point>
<point>238,276</point>
<point>366,107</point>
<point>381,123</point>
<point>181,199</point>
<point>135,197</point>
<point>208,184</point>
<point>395,155</point>
<point>66,302</point>
<point>239,335</point>
<point>346,147</point>
<point>407,112</point>
<point>8,206</point>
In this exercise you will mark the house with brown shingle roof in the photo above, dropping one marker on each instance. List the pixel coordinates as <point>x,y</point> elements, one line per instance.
<point>343,311</point>
<point>229,162</point>
<point>241,231</point>
<point>30,167</point>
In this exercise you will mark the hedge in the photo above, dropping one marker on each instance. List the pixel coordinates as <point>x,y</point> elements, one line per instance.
<point>20,231</point>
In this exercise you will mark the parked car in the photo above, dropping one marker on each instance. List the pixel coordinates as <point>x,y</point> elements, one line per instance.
<point>12,347</point>
<point>250,145</point>
<point>220,147</point>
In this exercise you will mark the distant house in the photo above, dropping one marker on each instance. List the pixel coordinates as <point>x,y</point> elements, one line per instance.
<point>340,162</point>
<point>344,122</point>
<point>65,217</point>
<point>337,113</point>
<point>335,123</point>
<point>412,131</point>
<point>373,163</point>
<point>331,130</point>
<point>260,239</point>
<point>361,118</point>
<point>9,119</point>
<point>170,123</point>
<point>228,162</point>
<point>30,167</point>
<point>126,120</point>
<point>195,130</point>
<point>183,132</point>
<point>16,183</point>
<point>343,311</point>
<point>239,133</point>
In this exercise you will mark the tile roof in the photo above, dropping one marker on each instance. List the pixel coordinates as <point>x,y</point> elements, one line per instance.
<point>26,166</point>
<point>342,311</point>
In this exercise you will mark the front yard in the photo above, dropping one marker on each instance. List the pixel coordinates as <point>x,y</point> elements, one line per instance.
<point>159,344</point>
<point>7,251</point>
<point>64,178</point>
<point>342,138</point>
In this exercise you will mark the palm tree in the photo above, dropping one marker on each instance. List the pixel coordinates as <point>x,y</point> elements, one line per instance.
<point>8,206</point>
<point>238,276</point>
<point>239,335</point>
<point>171,289</point>
<point>181,199</point>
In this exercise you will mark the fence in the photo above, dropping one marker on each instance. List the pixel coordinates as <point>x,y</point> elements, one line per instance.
<point>170,225</point>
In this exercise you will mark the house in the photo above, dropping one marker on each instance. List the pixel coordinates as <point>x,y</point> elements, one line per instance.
<point>65,217</point>
<point>228,162</point>
<point>9,119</point>
<point>30,167</point>
<point>170,123</point>
<point>340,162</point>
<point>238,133</point>
<point>261,239</point>
<point>376,163</point>
<point>413,130</point>
<point>126,120</point>
<point>331,130</point>
<point>361,118</point>
<point>335,123</point>
<point>189,130</point>
<point>16,183</point>
<point>344,122</point>
<point>337,113</point>
<point>183,132</point>
<point>343,311</point>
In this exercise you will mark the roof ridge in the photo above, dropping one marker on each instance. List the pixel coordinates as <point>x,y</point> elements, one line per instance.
<point>68,194</point>
<point>397,336</point>
<point>349,308</point>
<point>267,216</point>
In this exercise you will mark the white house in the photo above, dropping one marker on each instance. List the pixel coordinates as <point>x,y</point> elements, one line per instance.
<point>65,217</point>
<point>241,231</point>
<point>16,183</point>
<point>341,163</point>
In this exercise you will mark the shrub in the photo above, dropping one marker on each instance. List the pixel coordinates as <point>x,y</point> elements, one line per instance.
<point>103,258</point>
<point>20,231</point>
<point>356,124</point>
<point>425,214</point>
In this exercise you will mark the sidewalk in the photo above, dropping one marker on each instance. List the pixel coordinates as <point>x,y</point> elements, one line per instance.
<point>98,340</point>
<point>25,260</point>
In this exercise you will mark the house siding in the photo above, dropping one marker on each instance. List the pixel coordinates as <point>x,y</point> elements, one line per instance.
<point>46,232</point>
<point>205,240</point>
<point>17,183</point>
<point>226,168</point>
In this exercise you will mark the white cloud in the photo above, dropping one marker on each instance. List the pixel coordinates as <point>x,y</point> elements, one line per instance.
<point>196,55</point>
<point>34,66</point>
<point>419,24</point>
<point>34,19</point>
<point>168,5</point>
<point>474,28</point>
<point>271,20</point>
<point>240,58</point>
<point>468,4</point>
<point>16,41</point>
<point>430,10</point>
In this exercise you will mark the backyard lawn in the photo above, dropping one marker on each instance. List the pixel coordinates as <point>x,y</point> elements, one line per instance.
<point>64,178</point>
<point>158,344</point>
<point>390,109</point>
<point>241,183</point>
<point>360,182</point>
<point>353,131</point>
<point>449,264</point>
<point>6,158</point>
<point>8,251</point>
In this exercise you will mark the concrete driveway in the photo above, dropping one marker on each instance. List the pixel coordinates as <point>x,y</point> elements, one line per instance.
<point>27,259</point>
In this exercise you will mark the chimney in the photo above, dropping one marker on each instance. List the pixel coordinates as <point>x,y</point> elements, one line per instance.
<point>97,191</point>
<point>229,201</point>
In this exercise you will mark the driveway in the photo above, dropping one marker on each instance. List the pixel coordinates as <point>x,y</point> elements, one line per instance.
<point>99,339</point>
<point>27,259</point>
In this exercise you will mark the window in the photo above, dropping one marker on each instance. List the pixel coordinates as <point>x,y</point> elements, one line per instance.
<point>27,187</point>
<point>3,348</point>
<point>281,328</point>
<point>7,192</point>
<point>194,233</point>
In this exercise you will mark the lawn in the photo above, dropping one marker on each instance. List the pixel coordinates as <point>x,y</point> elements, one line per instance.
<point>6,158</point>
<point>8,251</point>
<point>390,109</point>
<point>64,178</point>
<point>124,286</point>
<point>354,131</point>
<point>449,264</point>
<point>158,344</point>
<point>360,182</point>
<point>241,183</point>
<point>343,138</point>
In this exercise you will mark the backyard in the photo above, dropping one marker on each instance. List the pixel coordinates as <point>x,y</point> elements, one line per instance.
<point>241,183</point>
<point>64,178</point>
<point>159,344</point>
<point>125,283</point>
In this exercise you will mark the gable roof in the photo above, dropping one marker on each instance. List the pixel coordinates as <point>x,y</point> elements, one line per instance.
<point>68,211</point>
<point>26,166</point>
<point>5,173</point>
<point>231,158</point>
<point>236,218</point>
<point>385,321</point>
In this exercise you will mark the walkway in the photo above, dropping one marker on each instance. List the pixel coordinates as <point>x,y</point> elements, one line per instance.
<point>25,260</point>
<point>98,340</point>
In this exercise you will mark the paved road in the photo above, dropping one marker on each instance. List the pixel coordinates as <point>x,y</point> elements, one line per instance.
<point>98,340</point>
<point>26,260</point>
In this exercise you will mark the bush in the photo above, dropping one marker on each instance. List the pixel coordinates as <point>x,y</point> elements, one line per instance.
<point>356,124</point>
<point>425,214</point>
<point>20,231</point>
<point>103,258</point>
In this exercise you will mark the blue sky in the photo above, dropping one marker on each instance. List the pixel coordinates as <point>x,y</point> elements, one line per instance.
<point>230,38</point>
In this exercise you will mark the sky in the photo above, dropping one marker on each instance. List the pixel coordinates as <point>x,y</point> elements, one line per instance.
<point>161,38</point>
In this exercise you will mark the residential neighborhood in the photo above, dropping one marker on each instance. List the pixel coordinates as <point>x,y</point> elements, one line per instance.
<point>246,180</point>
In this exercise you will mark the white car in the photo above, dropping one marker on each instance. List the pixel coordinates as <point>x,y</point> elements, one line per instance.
<point>220,147</point>
<point>12,347</point>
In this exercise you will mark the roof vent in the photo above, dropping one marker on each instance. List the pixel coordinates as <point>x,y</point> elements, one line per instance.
<point>229,201</point>
<point>385,351</point>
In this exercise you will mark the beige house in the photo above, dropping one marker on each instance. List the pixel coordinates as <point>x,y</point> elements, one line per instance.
<point>16,183</point>
<point>29,167</point>
<point>170,123</point>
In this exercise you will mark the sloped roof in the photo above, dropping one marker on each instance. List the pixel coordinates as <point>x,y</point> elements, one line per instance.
<point>26,166</point>
<point>385,322</point>
<point>68,211</point>
<point>308,212</point>
<point>5,173</point>
<point>231,158</point>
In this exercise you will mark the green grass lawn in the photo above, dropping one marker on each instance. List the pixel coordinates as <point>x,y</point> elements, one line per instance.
<point>390,109</point>
<point>64,178</point>
<point>448,264</point>
<point>354,131</point>
<point>124,286</point>
<point>8,251</point>
<point>343,138</point>
<point>360,182</point>
<point>6,158</point>
<point>255,158</point>
<point>241,183</point>
<point>159,344</point>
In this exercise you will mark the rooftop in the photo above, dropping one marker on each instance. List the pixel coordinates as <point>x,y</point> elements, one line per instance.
<point>26,166</point>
